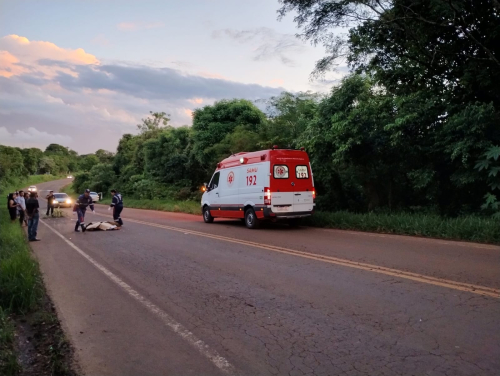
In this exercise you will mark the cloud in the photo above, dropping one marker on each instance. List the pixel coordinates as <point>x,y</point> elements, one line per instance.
<point>51,94</point>
<point>269,44</point>
<point>159,83</point>
<point>277,81</point>
<point>24,49</point>
<point>32,137</point>
<point>9,64</point>
<point>133,26</point>
<point>19,56</point>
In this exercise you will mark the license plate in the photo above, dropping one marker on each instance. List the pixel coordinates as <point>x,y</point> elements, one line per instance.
<point>280,208</point>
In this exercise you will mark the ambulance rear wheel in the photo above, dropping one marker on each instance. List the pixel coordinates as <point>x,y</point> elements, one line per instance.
<point>251,220</point>
<point>207,217</point>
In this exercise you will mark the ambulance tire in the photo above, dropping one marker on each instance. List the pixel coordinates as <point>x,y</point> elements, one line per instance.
<point>251,220</point>
<point>207,217</point>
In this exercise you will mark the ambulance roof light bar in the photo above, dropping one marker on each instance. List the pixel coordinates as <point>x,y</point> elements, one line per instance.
<point>275,147</point>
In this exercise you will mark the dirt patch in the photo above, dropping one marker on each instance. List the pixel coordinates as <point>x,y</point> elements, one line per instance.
<point>40,344</point>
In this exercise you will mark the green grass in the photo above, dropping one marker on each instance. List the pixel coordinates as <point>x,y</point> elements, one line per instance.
<point>468,228</point>
<point>11,186</point>
<point>189,207</point>
<point>21,285</point>
<point>8,360</point>
<point>68,189</point>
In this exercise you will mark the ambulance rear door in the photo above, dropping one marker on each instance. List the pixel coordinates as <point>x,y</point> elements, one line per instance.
<point>303,200</point>
<point>281,188</point>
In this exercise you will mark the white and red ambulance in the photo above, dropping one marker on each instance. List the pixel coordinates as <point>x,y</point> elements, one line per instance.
<point>271,184</point>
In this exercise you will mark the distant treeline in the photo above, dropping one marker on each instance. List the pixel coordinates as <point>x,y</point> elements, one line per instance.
<point>369,149</point>
<point>17,163</point>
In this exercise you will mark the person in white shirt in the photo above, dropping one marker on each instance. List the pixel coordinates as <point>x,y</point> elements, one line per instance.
<point>21,207</point>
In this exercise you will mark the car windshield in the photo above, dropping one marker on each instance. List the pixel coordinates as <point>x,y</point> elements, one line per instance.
<point>60,195</point>
<point>93,193</point>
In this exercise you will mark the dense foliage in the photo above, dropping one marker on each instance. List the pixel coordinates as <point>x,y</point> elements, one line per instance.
<point>17,163</point>
<point>415,127</point>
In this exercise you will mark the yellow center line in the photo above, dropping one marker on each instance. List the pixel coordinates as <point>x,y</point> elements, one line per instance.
<point>467,287</point>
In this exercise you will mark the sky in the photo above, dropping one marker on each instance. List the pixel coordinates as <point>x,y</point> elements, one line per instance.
<point>83,73</point>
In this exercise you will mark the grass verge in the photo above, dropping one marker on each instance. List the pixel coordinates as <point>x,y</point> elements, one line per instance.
<point>23,298</point>
<point>467,228</point>
<point>189,207</point>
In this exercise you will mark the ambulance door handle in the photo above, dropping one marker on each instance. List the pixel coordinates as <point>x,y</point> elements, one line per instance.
<point>298,194</point>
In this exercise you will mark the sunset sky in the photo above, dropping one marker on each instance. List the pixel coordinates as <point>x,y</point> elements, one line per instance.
<point>82,74</point>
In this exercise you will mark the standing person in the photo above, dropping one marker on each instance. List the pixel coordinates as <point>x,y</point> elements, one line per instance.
<point>50,203</point>
<point>33,212</point>
<point>117,205</point>
<point>12,206</point>
<point>26,197</point>
<point>21,207</point>
<point>81,207</point>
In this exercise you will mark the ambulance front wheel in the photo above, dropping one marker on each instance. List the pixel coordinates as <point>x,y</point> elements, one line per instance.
<point>251,220</point>
<point>207,217</point>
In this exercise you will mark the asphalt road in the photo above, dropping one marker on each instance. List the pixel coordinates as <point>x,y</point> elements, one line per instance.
<point>170,295</point>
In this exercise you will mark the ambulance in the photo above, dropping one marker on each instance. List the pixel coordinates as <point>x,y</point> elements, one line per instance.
<point>273,185</point>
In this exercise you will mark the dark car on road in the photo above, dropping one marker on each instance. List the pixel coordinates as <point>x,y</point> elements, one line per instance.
<point>62,200</point>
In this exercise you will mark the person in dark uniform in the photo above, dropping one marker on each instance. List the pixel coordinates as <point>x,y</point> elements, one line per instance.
<point>117,205</point>
<point>81,207</point>
<point>12,206</point>
<point>50,203</point>
<point>32,208</point>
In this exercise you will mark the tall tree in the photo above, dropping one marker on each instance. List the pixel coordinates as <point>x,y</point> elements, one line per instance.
<point>211,124</point>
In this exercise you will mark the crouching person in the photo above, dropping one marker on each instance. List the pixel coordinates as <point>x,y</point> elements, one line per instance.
<point>117,206</point>
<point>81,207</point>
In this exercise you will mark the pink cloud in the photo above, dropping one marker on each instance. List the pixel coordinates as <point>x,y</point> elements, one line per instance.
<point>21,47</point>
<point>8,65</point>
<point>211,75</point>
<point>277,81</point>
<point>15,50</point>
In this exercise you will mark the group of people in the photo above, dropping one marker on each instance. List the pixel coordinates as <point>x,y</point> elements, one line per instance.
<point>25,206</point>
<point>84,201</point>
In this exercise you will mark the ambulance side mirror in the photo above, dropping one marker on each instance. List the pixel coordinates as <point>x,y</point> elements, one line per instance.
<point>206,187</point>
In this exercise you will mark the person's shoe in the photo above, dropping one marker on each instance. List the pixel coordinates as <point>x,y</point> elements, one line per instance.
<point>77,230</point>
<point>83,228</point>
<point>35,240</point>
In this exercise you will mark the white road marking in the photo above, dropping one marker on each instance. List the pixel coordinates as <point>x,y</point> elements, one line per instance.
<point>212,355</point>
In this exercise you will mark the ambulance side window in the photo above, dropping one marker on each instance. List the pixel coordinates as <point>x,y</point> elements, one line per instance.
<point>214,183</point>
<point>301,172</point>
<point>280,171</point>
